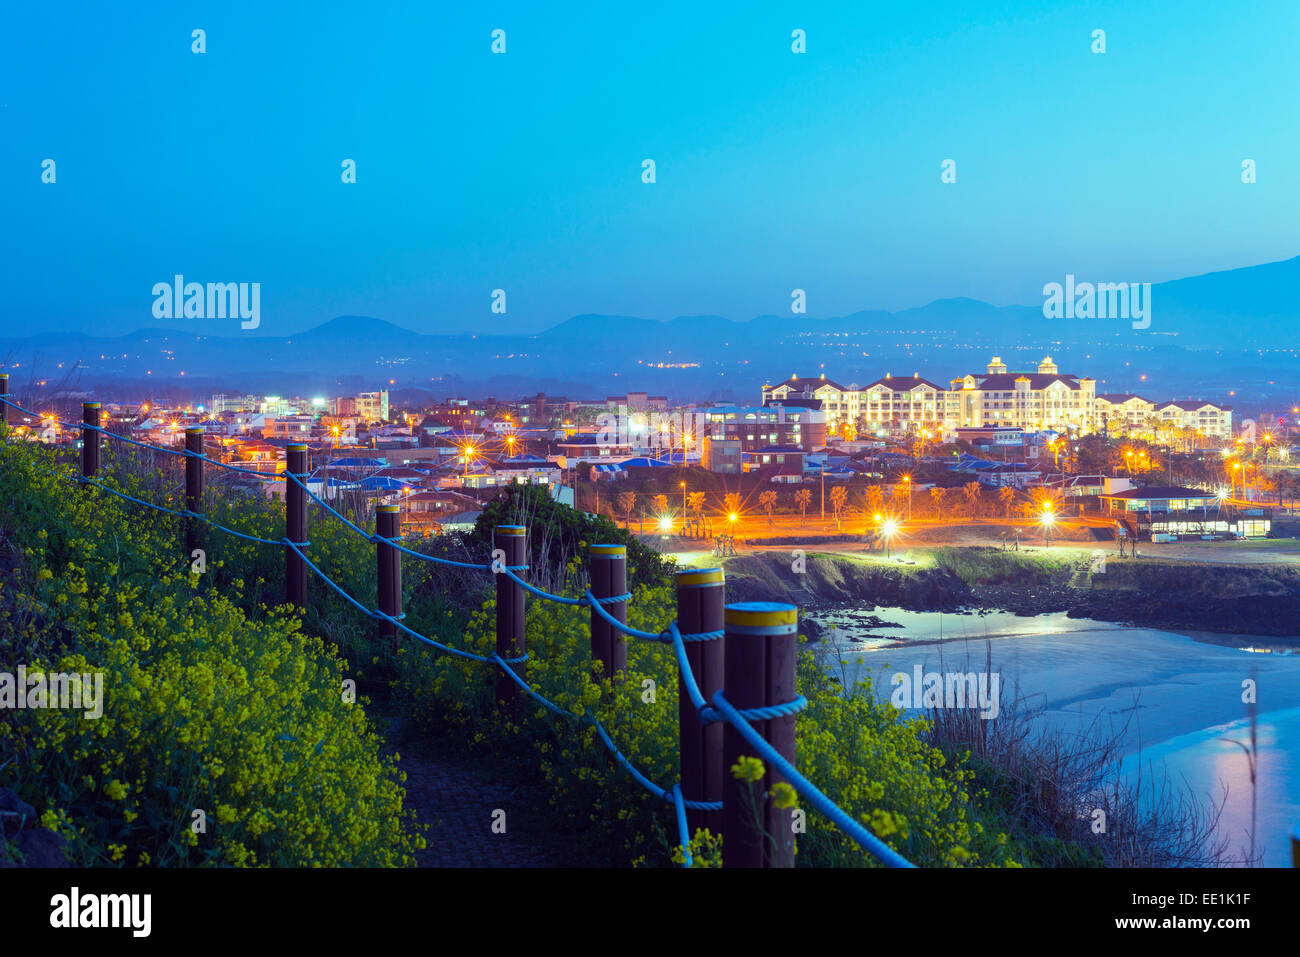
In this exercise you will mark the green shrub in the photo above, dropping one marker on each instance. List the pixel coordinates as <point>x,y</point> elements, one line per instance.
<point>205,707</point>
<point>557,533</point>
<point>856,748</point>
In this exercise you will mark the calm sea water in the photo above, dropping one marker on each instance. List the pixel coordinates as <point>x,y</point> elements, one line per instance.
<point>1180,694</point>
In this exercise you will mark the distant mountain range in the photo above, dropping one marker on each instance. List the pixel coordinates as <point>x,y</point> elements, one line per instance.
<point>1210,335</point>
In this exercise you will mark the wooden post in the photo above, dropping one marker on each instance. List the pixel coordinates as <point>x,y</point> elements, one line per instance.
<point>4,394</point>
<point>701,596</point>
<point>608,565</point>
<point>193,485</point>
<point>758,672</point>
<point>90,439</point>
<point>512,540</point>
<point>295,526</point>
<point>389,565</point>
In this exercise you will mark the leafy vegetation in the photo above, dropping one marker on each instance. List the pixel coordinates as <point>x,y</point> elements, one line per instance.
<point>206,708</point>
<point>219,700</point>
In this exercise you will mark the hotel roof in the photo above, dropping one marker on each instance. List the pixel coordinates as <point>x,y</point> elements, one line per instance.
<point>1117,398</point>
<point>899,383</point>
<point>1192,405</point>
<point>809,383</point>
<point>1037,380</point>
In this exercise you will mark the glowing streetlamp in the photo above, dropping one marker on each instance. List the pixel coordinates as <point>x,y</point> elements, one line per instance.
<point>1048,520</point>
<point>888,529</point>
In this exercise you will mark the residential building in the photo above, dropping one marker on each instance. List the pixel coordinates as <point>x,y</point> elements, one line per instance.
<point>1046,399</point>
<point>898,405</point>
<point>773,460</point>
<point>456,414</point>
<point>373,406</point>
<point>757,426</point>
<point>841,405</point>
<point>1123,413</point>
<point>637,402</point>
<point>288,427</point>
<point>721,455</point>
<point>1205,418</point>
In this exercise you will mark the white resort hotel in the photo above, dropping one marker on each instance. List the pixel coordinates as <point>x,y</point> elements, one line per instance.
<point>1045,399</point>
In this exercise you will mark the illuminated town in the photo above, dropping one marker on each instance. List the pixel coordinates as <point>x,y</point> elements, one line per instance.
<point>1044,434</point>
<point>856,438</point>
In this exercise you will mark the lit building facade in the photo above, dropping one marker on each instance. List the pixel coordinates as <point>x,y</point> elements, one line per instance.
<point>1033,401</point>
<point>1123,413</point>
<point>1203,418</point>
<point>758,426</point>
<point>373,406</point>
<point>841,406</point>
<point>899,405</point>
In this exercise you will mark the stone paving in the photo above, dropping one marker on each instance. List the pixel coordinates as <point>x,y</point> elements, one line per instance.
<point>457,797</point>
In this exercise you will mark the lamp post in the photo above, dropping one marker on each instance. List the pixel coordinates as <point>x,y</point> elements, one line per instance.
<point>888,529</point>
<point>1048,520</point>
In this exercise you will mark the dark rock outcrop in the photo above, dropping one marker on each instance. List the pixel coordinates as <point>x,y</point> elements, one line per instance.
<point>19,828</point>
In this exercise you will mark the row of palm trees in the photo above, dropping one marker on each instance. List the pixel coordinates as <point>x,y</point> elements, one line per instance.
<point>877,499</point>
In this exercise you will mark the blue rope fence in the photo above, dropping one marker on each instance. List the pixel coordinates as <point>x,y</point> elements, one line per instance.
<point>719,710</point>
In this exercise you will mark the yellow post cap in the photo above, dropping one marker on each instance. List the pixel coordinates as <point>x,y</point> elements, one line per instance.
<point>761,618</point>
<point>695,577</point>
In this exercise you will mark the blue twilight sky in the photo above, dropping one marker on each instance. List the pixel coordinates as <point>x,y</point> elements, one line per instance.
<point>522,171</point>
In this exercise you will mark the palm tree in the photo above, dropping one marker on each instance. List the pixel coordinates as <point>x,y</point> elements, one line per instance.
<point>971,491</point>
<point>803,498</point>
<point>838,497</point>
<point>899,492</point>
<point>767,500</point>
<point>626,502</point>
<point>937,494</point>
<point>660,503</point>
<point>875,500</point>
<point>1007,495</point>
<point>731,501</point>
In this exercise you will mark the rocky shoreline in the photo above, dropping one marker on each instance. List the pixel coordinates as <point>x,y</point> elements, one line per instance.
<point>1231,599</point>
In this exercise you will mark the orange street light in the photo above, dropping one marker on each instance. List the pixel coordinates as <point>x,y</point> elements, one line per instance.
<point>1048,520</point>
<point>888,529</point>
